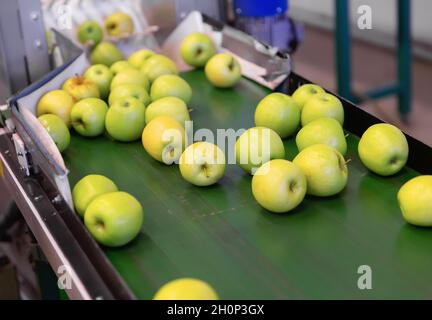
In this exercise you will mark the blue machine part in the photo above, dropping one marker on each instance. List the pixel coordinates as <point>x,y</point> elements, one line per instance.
<point>268,22</point>
<point>260,8</point>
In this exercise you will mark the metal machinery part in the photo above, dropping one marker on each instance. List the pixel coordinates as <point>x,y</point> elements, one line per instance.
<point>23,48</point>
<point>268,22</point>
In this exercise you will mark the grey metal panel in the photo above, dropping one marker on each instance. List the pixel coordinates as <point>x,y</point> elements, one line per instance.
<point>12,47</point>
<point>5,91</point>
<point>212,8</point>
<point>35,45</point>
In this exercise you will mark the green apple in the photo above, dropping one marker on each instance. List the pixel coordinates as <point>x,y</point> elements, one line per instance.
<point>158,65</point>
<point>119,24</point>
<point>114,218</point>
<point>130,76</point>
<point>57,130</point>
<point>170,85</point>
<point>170,107</point>
<point>186,289</point>
<point>202,164</point>
<point>322,131</point>
<point>383,149</point>
<point>138,58</point>
<point>88,188</point>
<point>415,201</point>
<point>164,139</point>
<point>125,119</point>
<point>305,92</point>
<point>102,76</point>
<point>129,90</point>
<point>256,146</point>
<point>278,112</point>
<point>279,185</point>
<point>322,105</point>
<point>196,49</point>
<point>223,70</point>
<point>88,117</point>
<point>81,88</point>
<point>90,32</point>
<point>325,169</point>
<point>106,53</point>
<point>58,102</point>
<point>121,65</point>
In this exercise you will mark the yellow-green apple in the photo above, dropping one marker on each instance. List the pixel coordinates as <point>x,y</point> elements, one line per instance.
<point>129,90</point>
<point>325,169</point>
<point>279,112</point>
<point>186,289</point>
<point>305,92</point>
<point>170,107</point>
<point>223,70</point>
<point>106,53</point>
<point>121,65</point>
<point>129,76</point>
<point>322,131</point>
<point>58,102</point>
<point>114,218</point>
<point>88,188</point>
<point>125,119</point>
<point>256,146</point>
<point>164,139</point>
<point>279,185</point>
<point>138,58</point>
<point>57,130</point>
<point>81,88</point>
<point>119,24</point>
<point>202,164</point>
<point>158,65</point>
<point>322,105</point>
<point>415,201</point>
<point>196,49</point>
<point>89,32</point>
<point>102,76</point>
<point>383,149</point>
<point>88,117</point>
<point>170,85</point>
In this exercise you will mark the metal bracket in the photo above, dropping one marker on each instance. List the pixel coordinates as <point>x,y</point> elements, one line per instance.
<point>22,154</point>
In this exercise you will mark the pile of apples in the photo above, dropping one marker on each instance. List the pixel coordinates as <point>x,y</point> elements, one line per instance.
<point>142,97</point>
<point>320,168</point>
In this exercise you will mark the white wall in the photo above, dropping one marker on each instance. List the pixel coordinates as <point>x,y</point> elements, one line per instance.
<point>321,12</point>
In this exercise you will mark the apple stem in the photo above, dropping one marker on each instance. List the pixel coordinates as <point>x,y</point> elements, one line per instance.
<point>231,64</point>
<point>348,161</point>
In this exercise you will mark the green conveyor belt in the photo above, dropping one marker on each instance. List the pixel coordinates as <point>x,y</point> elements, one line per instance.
<point>221,235</point>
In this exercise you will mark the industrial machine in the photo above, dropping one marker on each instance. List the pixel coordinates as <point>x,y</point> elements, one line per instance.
<point>218,234</point>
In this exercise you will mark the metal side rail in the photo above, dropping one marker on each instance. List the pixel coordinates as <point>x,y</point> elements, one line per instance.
<point>72,253</point>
